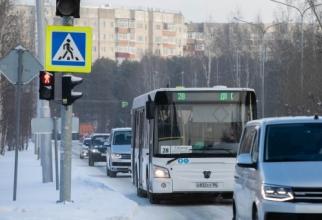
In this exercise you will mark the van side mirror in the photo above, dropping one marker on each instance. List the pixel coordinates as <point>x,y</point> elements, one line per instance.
<point>245,161</point>
<point>149,109</point>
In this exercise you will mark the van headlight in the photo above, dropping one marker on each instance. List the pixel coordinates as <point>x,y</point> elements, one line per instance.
<point>116,156</point>
<point>277,193</point>
<point>160,172</point>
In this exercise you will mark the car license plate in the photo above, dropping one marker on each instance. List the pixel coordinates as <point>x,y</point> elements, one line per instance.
<point>206,185</point>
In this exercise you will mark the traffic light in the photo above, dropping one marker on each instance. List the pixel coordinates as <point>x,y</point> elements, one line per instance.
<point>68,83</point>
<point>46,85</point>
<point>67,8</point>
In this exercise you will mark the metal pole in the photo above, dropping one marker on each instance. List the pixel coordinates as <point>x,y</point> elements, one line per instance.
<point>302,55</point>
<point>56,154</point>
<point>263,79</point>
<point>182,79</point>
<point>44,110</point>
<point>18,109</point>
<point>66,154</point>
<point>66,143</point>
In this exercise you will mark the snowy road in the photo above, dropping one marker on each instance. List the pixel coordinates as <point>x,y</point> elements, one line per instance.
<point>165,211</point>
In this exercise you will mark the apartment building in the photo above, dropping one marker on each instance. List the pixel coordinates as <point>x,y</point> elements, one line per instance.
<point>128,34</point>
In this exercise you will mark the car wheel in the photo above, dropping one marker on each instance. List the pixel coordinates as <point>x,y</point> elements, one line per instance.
<point>90,161</point>
<point>112,174</point>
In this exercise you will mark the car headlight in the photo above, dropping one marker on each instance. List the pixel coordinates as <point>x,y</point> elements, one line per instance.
<point>277,193</point>
<point>95,150</point>
<point>116,156</point>
<point>160,172</point>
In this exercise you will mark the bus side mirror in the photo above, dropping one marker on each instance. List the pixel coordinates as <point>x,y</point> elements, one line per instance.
<point>149,110</point>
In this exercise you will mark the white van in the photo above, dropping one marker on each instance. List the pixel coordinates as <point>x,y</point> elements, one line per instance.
<point>279,170</point>
<point>118,154</point>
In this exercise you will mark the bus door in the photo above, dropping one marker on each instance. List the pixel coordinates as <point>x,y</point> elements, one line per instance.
<point>141,146</point>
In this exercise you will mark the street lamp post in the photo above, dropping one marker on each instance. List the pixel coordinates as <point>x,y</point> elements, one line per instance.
<point>302,13</point>
<point>262,51</point>
<point>182,78</point>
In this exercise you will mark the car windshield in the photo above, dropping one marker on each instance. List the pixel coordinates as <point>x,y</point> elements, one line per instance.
<point>87,142</point>
<point>199,129</point>
<point>293,142</point>
<point>99,140</point>
<point>122,138</point>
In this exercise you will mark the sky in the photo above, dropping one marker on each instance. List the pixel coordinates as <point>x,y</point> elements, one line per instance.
<point>203,10</point>
<point>198,10</point>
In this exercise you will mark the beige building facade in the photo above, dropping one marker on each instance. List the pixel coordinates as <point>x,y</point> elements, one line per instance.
<point>127,34</point>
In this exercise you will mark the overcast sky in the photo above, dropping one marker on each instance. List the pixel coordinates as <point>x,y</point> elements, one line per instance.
<point>203,10</point>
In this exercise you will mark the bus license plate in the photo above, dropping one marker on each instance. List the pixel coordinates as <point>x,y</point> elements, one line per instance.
<point>206,185</point>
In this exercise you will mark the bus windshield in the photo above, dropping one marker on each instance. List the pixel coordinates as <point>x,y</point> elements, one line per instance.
<point>199,129</point>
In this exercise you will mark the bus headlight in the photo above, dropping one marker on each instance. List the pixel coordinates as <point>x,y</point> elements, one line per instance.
<point>160,172</point>
<point>277,193</point>
<point>116,156</point>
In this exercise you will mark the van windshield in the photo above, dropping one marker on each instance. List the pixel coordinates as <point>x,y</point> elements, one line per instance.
<point>122,138</point>
<point>293,142</point>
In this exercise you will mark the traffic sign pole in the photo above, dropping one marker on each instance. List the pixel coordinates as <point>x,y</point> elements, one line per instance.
<point>18,109</point>
<point>66,143</point>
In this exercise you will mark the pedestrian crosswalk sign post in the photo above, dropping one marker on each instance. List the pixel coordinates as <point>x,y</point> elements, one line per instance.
<point>68,49</point>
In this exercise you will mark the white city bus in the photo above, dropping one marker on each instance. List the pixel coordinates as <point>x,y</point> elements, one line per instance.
<point>185,140</point>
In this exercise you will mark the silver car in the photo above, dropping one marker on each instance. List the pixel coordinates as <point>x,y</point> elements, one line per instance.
<point>279,170</point>
<point>84,148</point>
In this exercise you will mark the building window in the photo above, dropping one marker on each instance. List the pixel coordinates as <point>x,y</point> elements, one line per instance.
<point>140,38</point>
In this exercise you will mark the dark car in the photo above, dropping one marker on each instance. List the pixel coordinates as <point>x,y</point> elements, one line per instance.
<point>97,149</point>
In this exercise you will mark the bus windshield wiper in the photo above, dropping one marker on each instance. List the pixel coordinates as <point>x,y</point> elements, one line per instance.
<point>171,160</point>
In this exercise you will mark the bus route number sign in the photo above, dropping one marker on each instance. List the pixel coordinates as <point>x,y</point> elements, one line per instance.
<point>226,96</point>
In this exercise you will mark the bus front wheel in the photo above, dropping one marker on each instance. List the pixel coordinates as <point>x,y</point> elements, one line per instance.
<point>140,192</point>
<point>154,199</point>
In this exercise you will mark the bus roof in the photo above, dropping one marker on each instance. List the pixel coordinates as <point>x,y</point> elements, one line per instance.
<point>140,101</point>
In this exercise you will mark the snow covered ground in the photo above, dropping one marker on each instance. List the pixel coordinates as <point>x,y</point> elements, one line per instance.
<point>95,196</point>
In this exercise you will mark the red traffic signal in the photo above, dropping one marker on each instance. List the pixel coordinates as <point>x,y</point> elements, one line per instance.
<point>46,85</point>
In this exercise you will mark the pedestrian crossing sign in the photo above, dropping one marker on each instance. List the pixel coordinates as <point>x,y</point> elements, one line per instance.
<point>68,49</point>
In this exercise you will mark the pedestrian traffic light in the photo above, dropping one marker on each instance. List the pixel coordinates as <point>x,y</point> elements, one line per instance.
<point>46,85</point>
<point>67,8</point>
<point>68,83</point>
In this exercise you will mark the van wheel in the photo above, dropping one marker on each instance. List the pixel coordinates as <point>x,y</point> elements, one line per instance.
<point>234,211</point>
<point>255,214</point>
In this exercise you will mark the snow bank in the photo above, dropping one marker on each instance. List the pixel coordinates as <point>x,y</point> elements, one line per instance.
<point>37,201</point>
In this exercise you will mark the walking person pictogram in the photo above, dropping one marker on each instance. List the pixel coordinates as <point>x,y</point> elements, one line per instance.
<point>68,50</point>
